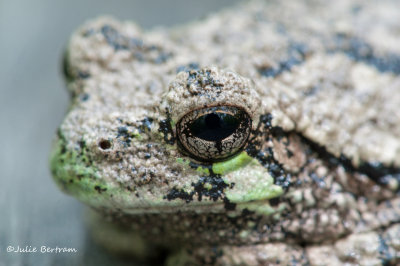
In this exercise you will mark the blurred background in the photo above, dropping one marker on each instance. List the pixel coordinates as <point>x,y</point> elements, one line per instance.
<point>33,102</point>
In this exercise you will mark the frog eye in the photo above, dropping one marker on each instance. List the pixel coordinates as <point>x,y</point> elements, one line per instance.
<point>214,133</point>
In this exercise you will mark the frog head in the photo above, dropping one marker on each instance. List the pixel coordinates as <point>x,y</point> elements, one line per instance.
<point>160,142</point>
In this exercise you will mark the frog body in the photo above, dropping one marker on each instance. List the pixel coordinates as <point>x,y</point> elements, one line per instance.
<point>265,134</point>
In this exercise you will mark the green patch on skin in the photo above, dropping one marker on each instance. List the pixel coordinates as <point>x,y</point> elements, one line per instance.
<point>172,123</point>
<point>207,186</point>
<point>262,208</point>
<point>236,162</point>
<point>73,175</point>
<point>220,168</point>
<point>254,186</point>
<point>135,134</point>
<point>203,171</point>
<point>76,174</point>
<point>182,161</point>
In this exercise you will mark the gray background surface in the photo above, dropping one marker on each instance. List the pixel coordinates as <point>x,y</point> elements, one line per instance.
<point>33,102</point>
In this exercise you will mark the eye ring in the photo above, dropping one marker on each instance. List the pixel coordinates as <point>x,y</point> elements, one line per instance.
<point>214,133</point>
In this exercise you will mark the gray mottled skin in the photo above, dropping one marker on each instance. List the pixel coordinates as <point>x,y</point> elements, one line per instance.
<point>318,180</point>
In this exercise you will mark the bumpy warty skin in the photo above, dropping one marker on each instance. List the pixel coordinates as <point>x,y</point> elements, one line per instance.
<point>318,182</point>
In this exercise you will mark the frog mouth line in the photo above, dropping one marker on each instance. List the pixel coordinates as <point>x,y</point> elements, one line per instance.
<point>262,206</point>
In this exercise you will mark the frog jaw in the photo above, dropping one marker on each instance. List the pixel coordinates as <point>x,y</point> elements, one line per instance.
<point>240,181</point>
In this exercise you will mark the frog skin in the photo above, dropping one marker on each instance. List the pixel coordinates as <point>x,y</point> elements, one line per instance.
<point>268,133</point>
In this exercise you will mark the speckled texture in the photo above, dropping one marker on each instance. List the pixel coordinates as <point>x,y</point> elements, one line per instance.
<point>319,175</point>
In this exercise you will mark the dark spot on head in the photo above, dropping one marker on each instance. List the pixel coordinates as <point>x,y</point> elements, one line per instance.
<point>104,144</point>
<point>296,54</point>
<point>188,67</point>
<point>361,51</point>
<point>318,180</point>
<point>229,206</point>
<point>246,212</point>
<point>274,201</point>
<point>211,187</point>
<point>122,132</point>
<point>85,97</point>
<point>162,57</point>
<point>100,189</point>
<point>146,124</point>
<point>83,74</point>
<point>376,171</point>
<point>166,129</point>
<point>289,153</point>
<point>82,144</point>
<point>114,38</point>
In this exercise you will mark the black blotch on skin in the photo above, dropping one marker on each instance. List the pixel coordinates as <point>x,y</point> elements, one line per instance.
<point>140,51</point>
<point>84,97</point>
<point>374,170</point>
<point>188,67</point>
<point>166,129</point>
<point>289,153</point>
<point>162,57</point>
<point>360,51</point>
<point>146,125</point>
<point>312,90</point>
<point>384,252</point>
<point>266,156</point>
<point>318,180</point>
<point>200,188</point>
<point>215,192</point>
<point>82,144</point>
<point>274,201</point>
<point>114,38</point>
<point>122,132</point>
<point>229,206</point>
<point>125,136</point>
<point>247,212</point>
<point>175,193</point>
<point>83,75</point>
<point>296,55</point>
<point>202,78</point>
<point>100,189</point>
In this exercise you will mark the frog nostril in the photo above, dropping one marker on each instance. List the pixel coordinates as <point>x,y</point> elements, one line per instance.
<point>104,144</point>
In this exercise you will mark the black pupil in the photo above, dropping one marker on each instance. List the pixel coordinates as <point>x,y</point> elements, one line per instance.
<point>214,126</point>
